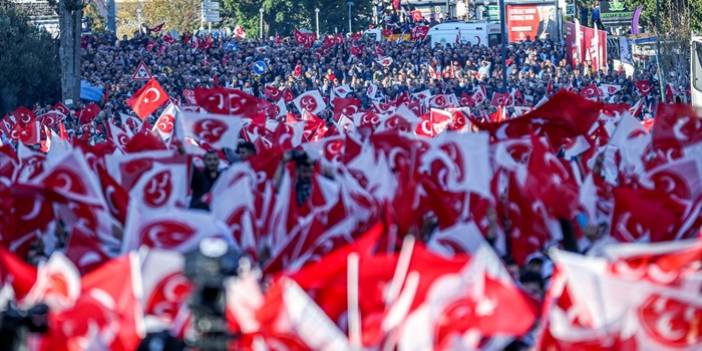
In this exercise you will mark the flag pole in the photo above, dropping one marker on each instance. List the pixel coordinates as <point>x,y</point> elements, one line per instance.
<point>354,311</point>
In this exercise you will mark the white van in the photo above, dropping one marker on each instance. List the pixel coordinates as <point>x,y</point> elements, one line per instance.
<point>480,33</point>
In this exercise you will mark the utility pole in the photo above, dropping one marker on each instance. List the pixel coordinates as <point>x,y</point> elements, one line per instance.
<point>70,15</point>
<point>503,30</point>
<point>316,20</point>
<point>349,3</point>
<point>260,23</point>
<point>111,17</point>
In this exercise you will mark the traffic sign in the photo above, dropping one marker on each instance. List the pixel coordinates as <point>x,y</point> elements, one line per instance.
<point>142,72</point>
<point>260,67</point>
<point>209,10</point>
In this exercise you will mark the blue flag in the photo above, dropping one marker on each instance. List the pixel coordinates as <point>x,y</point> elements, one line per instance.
<point>90,92</point>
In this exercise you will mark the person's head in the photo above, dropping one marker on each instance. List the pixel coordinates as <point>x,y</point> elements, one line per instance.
<point>245,150</point>
<point>532,284</point>
<point>211,161</point>
<point>303,166</point>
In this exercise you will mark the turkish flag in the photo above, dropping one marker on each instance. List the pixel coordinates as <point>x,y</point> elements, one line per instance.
<point>28,133</point>
<point>147,99</point>
<point>417,16</point>
<point>591,92</point>
<point>676,126</point>
<point>88,113</point>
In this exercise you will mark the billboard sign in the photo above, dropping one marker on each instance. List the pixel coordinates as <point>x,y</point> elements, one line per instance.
<point>529,22</point>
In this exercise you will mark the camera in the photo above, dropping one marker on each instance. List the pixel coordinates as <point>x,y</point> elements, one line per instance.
<point>207,268</point>
<point>15,323</point>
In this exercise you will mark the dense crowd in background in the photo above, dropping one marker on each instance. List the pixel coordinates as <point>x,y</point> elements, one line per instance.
<point>536,70</point>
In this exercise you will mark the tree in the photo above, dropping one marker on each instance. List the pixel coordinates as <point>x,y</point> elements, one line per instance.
<point>676,20</point>
<point>282,16</point>
<point>127,23</point>
<point>181,15</point>
<point>98,23</point>
<point>29,62</point>
<point>671,13</point>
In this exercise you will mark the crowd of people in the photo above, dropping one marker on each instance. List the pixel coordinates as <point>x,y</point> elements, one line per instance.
<point>536,69</point>
<point>314,186</point>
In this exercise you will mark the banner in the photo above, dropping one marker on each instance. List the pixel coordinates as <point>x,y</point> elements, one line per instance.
<point>625,50</point>
<point>90,92</point>
<point>527,22</point>
<point>635,20</point>
<point>584,46</point>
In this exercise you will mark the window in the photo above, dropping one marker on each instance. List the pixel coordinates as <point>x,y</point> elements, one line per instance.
<point>697,65</point>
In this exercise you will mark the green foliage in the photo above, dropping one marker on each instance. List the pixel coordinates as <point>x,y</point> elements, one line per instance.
<point>673,13</point>
<point>99,25</point>
<point>283,16</point>
<point>29,60</point>
<point>181,15</point>
<point>127,18</point>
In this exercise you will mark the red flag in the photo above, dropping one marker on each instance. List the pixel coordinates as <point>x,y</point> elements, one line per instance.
<point>564,115</point>
<point>347,107</point>
<point>147,99</point>
<point>157,28</point>
<point>107,313</point>
<point>304,38</point>
<point>116,197</point>
<point>676,126</point>
<point>644,87</point>
<point>20,274</point>
<point>88,113</point>
<point>663,312</point>
<point>239,32</point>
<point>417,16</point>
<point>591,92</point>
<point>420,32</point>
<point>72,178</point>
<point>227,101</point>
<point>61,107</point>
<point>501,99</point>
<point>272,93</point>
<point>28,133</point>
<point>644,213</point>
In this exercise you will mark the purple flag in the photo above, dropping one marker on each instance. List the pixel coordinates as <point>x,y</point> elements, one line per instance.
<point>635,20</point>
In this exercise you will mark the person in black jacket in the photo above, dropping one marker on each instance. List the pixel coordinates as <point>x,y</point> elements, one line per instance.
<point>203,181</point>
